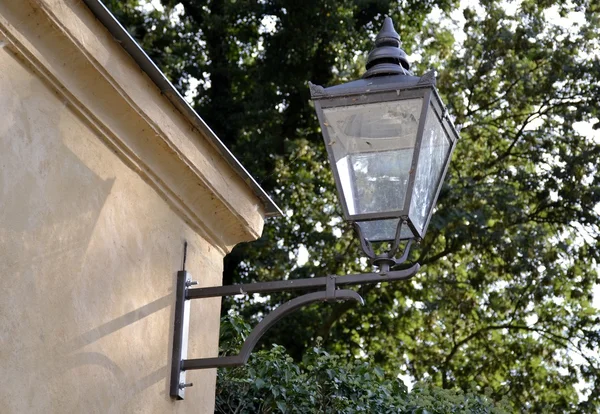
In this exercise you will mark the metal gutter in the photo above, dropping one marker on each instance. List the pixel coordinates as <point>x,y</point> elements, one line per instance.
<point>167,88</point>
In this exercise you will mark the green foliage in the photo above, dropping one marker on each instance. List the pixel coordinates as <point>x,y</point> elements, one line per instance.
<point>504,300</point>
<point>324,383</point>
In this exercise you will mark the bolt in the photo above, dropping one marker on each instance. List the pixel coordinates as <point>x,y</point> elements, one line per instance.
<point>182,385</point>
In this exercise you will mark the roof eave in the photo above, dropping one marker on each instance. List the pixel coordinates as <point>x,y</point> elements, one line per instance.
<point>167,88</point>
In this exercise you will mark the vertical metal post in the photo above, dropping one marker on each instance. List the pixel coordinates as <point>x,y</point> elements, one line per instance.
<point>180,336</point>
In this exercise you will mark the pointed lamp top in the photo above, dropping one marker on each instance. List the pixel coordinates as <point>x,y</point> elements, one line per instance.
<point>388,35</point>
<point>387,58</point>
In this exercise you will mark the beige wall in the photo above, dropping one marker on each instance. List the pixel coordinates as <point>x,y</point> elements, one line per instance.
<point>88,259</point>
<point>101,182</point>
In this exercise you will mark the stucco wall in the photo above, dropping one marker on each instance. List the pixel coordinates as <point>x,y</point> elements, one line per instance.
<point>88,260</point>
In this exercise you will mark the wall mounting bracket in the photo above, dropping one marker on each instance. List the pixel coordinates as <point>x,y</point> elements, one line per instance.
<point>180,364</point>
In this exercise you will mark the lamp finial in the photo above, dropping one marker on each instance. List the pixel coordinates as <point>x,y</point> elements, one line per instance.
<point>387,58</point>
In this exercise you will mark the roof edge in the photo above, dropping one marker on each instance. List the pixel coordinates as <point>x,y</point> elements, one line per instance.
<point>166,87</point>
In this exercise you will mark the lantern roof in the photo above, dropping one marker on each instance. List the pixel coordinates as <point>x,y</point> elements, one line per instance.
<point>387,69</point>
<point>381,83</point>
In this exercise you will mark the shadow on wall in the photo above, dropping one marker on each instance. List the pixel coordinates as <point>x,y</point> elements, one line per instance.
<point>108,328</point>
<point>61,271</point>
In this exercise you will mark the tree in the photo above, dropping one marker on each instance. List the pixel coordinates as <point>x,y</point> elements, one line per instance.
<point>511,255</point>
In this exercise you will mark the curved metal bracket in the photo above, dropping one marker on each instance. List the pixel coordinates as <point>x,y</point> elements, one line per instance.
<point>184,295</point>
<point>396,244</point>
<point>366,245</point>
<point>405,253</point>
<point>386,260</point>
<point>264,325</point>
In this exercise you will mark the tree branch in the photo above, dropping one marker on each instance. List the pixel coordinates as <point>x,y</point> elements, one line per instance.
<point>558,339</point>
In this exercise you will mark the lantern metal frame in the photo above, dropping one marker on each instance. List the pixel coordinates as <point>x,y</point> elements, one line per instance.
<point>388,89</point>
<point>387,79</point>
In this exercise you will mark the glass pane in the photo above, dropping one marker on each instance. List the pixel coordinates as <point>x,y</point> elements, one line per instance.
<point>435,148</point>
<point>372,146</point>
<point>383,230</point>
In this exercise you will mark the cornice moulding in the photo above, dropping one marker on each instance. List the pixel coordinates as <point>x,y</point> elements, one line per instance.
<point>73,53</point>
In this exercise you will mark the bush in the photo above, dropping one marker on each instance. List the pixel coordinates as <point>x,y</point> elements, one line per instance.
<point>272,382</point>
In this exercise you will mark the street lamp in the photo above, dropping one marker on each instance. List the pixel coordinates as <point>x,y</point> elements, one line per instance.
<point>389,140</point>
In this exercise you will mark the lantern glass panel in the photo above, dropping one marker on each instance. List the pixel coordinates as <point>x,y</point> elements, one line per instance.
<point>373,146</point>
<point>434,152</point>
<point>384,230</point>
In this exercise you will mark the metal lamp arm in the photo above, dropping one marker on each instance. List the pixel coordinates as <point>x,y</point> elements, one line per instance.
<point>184,294</point>
<point>264,325</point>
<point>298,284</point>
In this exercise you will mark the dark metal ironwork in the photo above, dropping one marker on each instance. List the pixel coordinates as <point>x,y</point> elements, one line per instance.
<point>180,336</point>
<point>386,260</point>
<point>387,58</point>
<point>298,284</point>
<point>268,322</point>
<point>180,364</point>
<point>388,79</point>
